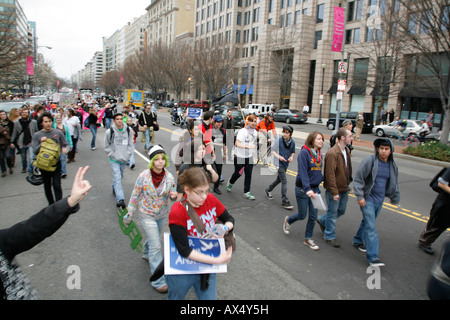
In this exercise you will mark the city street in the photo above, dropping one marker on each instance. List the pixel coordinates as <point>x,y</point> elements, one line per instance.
<point>268,265</point>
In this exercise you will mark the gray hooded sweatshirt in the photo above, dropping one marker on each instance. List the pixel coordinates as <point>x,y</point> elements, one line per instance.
<point>119,144</point>
<point>367,171</point>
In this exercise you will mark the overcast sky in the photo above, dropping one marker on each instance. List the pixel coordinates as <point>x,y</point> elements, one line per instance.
<point>75,28</point>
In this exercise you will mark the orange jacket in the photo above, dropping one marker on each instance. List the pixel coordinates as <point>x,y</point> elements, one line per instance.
<point>264,127</point>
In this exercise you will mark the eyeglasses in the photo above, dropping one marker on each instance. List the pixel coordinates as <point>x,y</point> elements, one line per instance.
<point>201,193</point>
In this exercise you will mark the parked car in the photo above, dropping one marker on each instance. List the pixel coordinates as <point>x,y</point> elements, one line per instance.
<point>387,129</point>
<point>203,104</point>
<point>368,121</point>
<point>237,117</point>
<point>290,116</point>
<point>186,103</point>
<point>258,109</point>
<point>168,104</point>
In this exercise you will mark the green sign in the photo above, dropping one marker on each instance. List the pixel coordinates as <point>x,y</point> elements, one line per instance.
<point>131,231</point>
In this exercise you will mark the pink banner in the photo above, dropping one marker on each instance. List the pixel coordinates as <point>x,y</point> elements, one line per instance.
<point>30,66</point>
<point>339,26</point>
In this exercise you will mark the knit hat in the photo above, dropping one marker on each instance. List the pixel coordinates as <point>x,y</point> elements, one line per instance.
<point>155,150</point>
<point>346,122</point>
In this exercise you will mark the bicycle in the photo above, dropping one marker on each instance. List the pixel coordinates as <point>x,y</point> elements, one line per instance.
<point>410,141</point>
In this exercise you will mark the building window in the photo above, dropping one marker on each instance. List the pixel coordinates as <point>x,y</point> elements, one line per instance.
<point>317,37</point>
<point>288,19</point>
<point>320,13</point>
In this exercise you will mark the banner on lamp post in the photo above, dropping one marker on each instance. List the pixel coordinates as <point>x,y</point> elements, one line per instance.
<point>30,66</point>
<point>338,32</point>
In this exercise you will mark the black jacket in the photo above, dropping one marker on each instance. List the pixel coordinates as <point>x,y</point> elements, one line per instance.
<point>22,237</point>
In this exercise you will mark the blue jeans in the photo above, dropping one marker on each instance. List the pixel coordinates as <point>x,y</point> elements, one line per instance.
<point>281,177</point>
<point>117,169</point>
<point>152,245</point>
<point>148,139</point>
<point>93,129</point>
<point>335,210</point>
<point>108,122</point>
<point>367,232</point>
<point>304,203</point>
<point>179,286</point>
<point>63,160</point>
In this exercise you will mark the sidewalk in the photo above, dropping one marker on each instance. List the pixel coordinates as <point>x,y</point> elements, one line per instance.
<point>367,146</point>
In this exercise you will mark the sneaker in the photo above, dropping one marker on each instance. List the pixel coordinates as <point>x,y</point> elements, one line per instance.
<point>132,166</point>
<point>286,226</point>
<point>287,205</point>
<point>121,204</point>
<point>376,263</point>
<point>361,247</point>
<point>229,186</point>
<point>93,148</point>
<point>248,196</point>
<point>333,243</point>
<point>268,194</point>
<point>310,243</point>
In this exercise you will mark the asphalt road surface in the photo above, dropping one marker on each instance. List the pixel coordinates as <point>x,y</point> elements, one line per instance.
<point>268,265</point>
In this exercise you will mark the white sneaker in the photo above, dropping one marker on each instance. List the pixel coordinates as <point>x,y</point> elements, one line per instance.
<point>286,226</point>
<point>310,243</point>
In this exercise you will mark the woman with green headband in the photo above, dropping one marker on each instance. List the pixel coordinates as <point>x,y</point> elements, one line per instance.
<point>151,194</point>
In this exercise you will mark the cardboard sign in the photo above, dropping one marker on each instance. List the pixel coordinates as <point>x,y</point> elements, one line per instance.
<point>174,263</point>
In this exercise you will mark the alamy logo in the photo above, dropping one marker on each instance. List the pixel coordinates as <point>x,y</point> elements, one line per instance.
<point>74,280</point>
<point>374,280</point>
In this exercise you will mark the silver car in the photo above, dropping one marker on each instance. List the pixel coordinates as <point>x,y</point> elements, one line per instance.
<point>387,129</point>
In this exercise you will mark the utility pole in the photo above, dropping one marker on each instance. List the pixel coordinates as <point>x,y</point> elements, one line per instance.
<point>341,75</point>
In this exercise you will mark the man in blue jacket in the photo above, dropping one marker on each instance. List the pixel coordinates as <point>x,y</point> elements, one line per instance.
<point>376,178</point>
<point>283,151</point>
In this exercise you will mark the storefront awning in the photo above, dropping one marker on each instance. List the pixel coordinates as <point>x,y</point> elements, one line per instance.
<point>380,91</point>
<point>357,90</point>
<point>242,89</point>
<point>250,90</point>
<point>333,89</point>
<point>419,92</point>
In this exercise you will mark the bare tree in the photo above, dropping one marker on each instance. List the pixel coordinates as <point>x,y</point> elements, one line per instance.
<point>425,34</point>
<point>383,51</point>
<point>177,65</point>
<point>110,82</point>
<point>212,68</point>
<point>13,51</point>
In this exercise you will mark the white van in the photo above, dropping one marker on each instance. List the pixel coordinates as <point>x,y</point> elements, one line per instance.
<point>258,109</point>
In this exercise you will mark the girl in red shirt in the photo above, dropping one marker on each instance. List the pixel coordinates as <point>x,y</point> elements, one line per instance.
<point>196,184</point>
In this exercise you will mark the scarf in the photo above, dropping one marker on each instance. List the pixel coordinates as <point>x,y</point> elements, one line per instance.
<point>157,177</point>
<point>26,131</point>
<point>316,156</point>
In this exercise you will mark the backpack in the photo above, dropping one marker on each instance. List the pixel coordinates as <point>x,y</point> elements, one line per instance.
<point>434,184</point>
<point>86,122</point>
<point>48,155</point>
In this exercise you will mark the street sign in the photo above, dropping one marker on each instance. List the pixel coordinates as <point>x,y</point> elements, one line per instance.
<point>343,67</point>
<point>341,85</point>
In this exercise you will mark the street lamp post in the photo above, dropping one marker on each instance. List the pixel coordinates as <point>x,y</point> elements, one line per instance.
<point>321,94</point>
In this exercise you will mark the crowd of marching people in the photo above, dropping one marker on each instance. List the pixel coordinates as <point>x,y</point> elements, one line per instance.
<point>188,200</point>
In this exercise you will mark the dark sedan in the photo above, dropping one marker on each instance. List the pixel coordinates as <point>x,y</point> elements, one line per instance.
<point>290,116</point>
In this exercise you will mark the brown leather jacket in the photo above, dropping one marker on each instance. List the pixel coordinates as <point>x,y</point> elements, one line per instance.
<point>335,172</point>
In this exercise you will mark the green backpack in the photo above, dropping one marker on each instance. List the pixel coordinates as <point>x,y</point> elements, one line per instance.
<point>48,155</point>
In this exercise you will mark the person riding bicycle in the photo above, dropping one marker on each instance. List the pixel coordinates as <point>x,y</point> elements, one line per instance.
<point>264,127</point>
<point>424,130</point>
<point>399,128</point>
